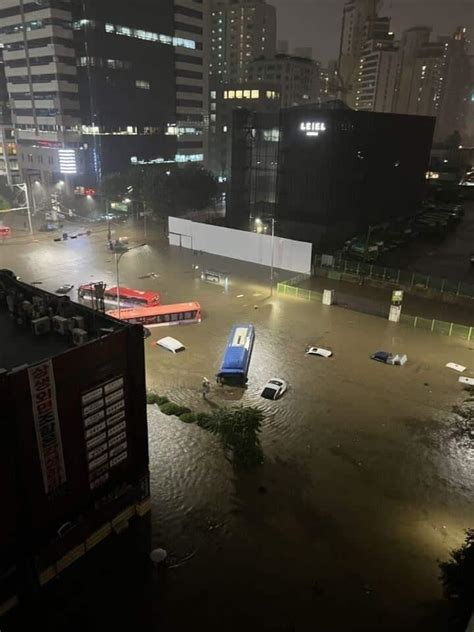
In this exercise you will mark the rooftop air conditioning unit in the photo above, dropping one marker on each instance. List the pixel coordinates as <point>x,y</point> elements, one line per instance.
<point>60,324</point>
<point>79,336</point>
<point>78,322</point>
<point>41,326</point>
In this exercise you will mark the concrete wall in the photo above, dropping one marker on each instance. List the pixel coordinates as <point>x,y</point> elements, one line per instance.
<point>239,244</point>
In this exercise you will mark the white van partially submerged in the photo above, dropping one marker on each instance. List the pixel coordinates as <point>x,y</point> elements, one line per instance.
<point>171,344</point>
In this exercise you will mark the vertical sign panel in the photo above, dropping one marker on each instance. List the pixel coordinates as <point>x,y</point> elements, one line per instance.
<point>48,430</point>
<point>103,416</point>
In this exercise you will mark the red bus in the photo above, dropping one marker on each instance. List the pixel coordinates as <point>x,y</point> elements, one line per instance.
<point>128,298</point>
<point>178,314</point>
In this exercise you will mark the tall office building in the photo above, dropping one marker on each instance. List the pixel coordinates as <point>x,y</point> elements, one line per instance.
<point>354,35</point>
<point>8,152</point>
<point>241,30</point>
<point>42,84</point>
<point>191,69</point>
<point>96,87</point>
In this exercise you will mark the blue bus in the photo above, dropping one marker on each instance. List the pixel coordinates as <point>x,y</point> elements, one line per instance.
<point>236,360</point>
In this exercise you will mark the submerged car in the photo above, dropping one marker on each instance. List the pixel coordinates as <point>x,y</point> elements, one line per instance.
<point>399,359</point>
<point>146,332</point>
<point>171,344</point>
<point>274,388</point>
<point>381,356</point>
<point>64,289</point>
<point>318,351</point>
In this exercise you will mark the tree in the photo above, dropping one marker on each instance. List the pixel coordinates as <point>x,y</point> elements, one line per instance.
<point>457,577</point>
<point>179,190</point>
<point>114,186</point>
<point>4,204</point>
<point>239,430</point>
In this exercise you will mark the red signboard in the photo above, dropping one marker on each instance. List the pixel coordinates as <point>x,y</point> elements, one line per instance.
<point>5,231</point>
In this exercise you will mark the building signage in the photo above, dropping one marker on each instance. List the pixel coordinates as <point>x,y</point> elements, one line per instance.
<point>48,430</point>
<point>104,419</point>
<point>312,128</point>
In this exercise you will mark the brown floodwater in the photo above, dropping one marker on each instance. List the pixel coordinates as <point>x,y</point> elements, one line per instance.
<point>364,485</point>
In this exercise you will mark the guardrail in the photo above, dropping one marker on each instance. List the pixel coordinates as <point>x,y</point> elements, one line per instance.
<point>443,328</point>
<point>391,276</point>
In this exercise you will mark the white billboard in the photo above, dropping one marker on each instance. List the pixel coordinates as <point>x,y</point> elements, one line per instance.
<point>288,254</point>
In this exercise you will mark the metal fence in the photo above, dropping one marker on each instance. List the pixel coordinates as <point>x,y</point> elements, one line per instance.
<point>290,288</point>
<point>439,327</point>
<point>392,276</point>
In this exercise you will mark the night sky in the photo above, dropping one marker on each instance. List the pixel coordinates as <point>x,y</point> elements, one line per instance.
<point>317,23</point>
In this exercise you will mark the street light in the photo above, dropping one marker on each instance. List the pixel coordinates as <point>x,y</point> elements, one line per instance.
<point>259,224</point>
<point>118,256</point>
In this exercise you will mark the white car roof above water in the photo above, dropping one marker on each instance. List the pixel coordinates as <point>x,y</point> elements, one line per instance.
<point>171,344</point>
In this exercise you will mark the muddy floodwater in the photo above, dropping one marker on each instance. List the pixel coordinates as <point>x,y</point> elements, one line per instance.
<point>364,486</point>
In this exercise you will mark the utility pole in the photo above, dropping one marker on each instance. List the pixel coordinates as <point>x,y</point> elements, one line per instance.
<point>273,244</point>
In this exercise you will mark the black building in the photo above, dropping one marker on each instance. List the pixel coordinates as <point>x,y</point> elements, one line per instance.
<point>139,101</point>
<point>126,80</point>
<point>327,172</point>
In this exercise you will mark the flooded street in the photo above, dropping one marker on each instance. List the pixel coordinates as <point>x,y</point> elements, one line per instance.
<point>363,489</point>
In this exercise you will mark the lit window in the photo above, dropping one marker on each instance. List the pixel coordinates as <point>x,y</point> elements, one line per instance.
<point>213,94</point>
<point>226,94</point>
<point>255,94</point>
<point>224,129</point>
<point>150,36</point>
<point>143,84</point>
<point>238,94</point>
<point>213,118</point>
<point>247,94</point>
<point>231,94</point>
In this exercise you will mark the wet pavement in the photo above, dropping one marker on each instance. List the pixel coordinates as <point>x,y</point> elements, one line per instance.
<point>376,300</point>
<point>446,259</point>
<point>364,485</point>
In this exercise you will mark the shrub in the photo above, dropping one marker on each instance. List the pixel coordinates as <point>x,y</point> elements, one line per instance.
<point>188,418</point>
<point>170,408</point>
<point>160,400</point>
<point>238,430</point>
<point>151,397</point>
<point>204,420</point>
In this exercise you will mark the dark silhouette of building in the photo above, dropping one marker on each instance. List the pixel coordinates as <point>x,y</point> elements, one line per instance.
<point>73,434</point>
<point>326,172</point>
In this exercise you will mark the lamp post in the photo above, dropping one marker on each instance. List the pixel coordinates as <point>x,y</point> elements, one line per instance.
<point>118,256</point>
<point>259,225</point>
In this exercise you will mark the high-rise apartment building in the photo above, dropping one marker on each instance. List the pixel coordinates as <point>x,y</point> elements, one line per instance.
<point>420,74</point>
<point>434,79</point>
<point>96,87</point>
<point>457,87</point>
<point>378,66</point>
<point>354,35</point>
<point>377,77</point>
<point>412,41</point>
<point>241,31</point>
<point>297,79</point>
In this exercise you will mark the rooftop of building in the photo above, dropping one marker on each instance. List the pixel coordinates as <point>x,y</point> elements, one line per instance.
<point>27,323</point>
